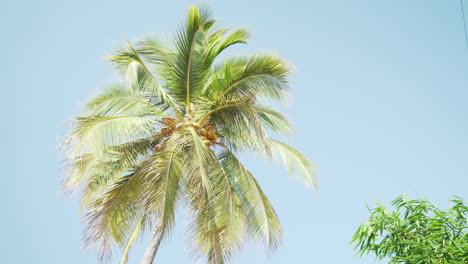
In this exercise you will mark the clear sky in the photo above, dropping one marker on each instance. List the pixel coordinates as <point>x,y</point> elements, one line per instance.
<point>379,103</point>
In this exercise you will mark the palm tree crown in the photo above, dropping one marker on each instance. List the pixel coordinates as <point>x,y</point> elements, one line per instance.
<point>166,135</point>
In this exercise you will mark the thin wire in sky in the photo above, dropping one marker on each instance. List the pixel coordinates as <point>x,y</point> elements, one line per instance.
<point>464,22</point>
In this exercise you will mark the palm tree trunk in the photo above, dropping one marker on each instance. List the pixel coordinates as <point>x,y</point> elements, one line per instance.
<point>150,252</point>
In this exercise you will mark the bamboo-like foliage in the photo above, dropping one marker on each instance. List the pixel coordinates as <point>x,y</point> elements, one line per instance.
<point>415,231</point>
<point>168,132</point>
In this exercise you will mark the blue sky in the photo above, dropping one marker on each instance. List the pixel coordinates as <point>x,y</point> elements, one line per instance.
<point>379,104</point>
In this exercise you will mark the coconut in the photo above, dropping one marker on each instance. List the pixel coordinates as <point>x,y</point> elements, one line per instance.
<point>208,126</point>
<point>204,132</point>
<point>211,134</point>
<point>196,125</point>
<point>165,131</point>
<point>172,122</point>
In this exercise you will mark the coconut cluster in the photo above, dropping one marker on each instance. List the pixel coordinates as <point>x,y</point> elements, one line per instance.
<point>170,127</point>
<point>207,131</point>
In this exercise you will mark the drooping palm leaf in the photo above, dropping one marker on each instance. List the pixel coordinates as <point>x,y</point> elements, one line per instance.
<point>260,75</point>
<point>219,224</point>
<point>112,163</point>
<point>262,220</point>
<point>273,120</point>
<point>95,133</point>
<point>137,230</point>
<point>111,216</point>
<point>297,164</point>
<point>140,76</point>
<point>119,100</point>
<point>162,184</point>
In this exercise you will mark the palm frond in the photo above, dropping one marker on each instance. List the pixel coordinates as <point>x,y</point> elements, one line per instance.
<point>95,133</point>
<point>162,174</point>
<point>140,76</point>
<point>273,120</point>
<point>112,164</point>
<point>207,226</point>
<point>110,218</point>
<point>232,219</point>
<point>262,75</point>
<point>262,220</point>
<point>154,186</point>
<point>206,234</point>
<point>218,41</point>
<point>137,230</point>
<point>77,169</point>
<point>208,196</point>
<point>297,164</point>
<point>189,69</point>
<point>154,51</point>
<point>212,234</point>
<point>239,122</point>
<point>199,162</point>
<point>219,223</point>
<point>120,100</point>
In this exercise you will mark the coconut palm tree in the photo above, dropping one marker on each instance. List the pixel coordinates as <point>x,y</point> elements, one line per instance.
<point>167,134</point>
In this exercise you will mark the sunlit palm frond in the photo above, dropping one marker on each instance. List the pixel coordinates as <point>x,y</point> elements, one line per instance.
<point>273,120</point>
<point>112,163</point>
<point>198,162</point>
<point>137,231</point>
<point>77,170</point>
<point>261,75</point>
<point>83,168</point>
<point>208,194</point>
<point>120,100</point>
<point>140,76</point>
<point>262,220</point>
<point>111,217</point>
<point>219,223</point>
<point>207,223</point>
<point>233,217</point>
<point>218,41</point>
<point>210,228</point>
<point>189,69</point>
<point>296,163</point>
<point>155,52</point>
<point>237,121</point>
<point>204,229</point>
<point>162,174</point>
<point>95,133</point>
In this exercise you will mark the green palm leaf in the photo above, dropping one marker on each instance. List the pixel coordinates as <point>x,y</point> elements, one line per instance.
<point>262,220</point>
<point>218,41</point>
<point>297,164</point>
<point>110,217</point>
<point>119,100</point>
<point>273,120</point>
<point>188,68</point>
<point>95,133</point>
<point>111,164</point>
<point>162,184</point>
<point>261,75</point>
<point>140,76</point>
<point>132,238</point>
